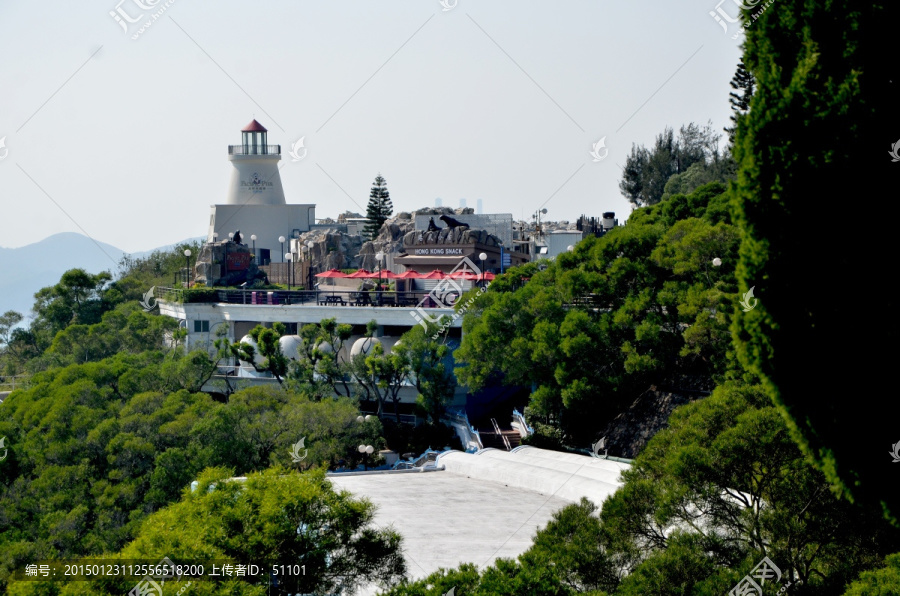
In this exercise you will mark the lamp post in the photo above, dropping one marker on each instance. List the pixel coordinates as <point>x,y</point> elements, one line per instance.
<point>309,281</point>
<point>187,257</point>
<point>289,257</point>
<point>483,257</point>
<point>253,239</point>
<point>717,262</point>
<point>281,239</point>
<point>379,257</point>
<point>570,248</point>
<point>366,451</point>
<point>231,236</point>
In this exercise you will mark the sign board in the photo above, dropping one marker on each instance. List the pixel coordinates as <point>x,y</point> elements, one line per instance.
<point>439,250</point>
<point>238,261</point>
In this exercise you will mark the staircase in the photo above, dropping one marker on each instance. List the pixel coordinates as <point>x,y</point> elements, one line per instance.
<point>498,438</point>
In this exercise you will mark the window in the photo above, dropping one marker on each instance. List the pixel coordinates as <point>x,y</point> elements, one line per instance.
<point>201,326</point>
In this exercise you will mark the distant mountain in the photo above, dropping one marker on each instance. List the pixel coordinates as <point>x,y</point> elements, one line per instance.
<point>25,270</point>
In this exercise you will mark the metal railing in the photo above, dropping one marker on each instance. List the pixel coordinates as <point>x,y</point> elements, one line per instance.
<point>457,418</point>
<point>13,382</point>
<point>500,432</point>
<point>408,299</point>
<point>254,149</point>
<point>520,419</point>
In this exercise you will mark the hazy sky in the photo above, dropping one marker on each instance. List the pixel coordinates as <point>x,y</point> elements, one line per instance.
<point>125,139</point>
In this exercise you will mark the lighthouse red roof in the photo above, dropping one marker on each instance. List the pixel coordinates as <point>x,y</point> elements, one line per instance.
<point>254,127</point>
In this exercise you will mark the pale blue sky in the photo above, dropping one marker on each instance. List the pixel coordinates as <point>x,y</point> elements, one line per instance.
<point>493,100</point>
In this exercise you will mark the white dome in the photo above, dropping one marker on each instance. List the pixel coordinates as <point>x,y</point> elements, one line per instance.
<point>257,357</point>
<point>325,348</point>
<point>363,345</point>
<point>289,345</point>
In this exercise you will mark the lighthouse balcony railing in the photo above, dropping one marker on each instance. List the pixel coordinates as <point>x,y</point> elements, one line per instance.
<point>254,149</point>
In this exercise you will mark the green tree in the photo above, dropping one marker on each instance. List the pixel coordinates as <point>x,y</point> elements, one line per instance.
<point>648,171</point>
<point>379,209</point>
<point>728,476</point>
<point>644,301</point>
<point>276,516</point>
<point>430,370</point>
<point>823,103</point>
<point>266,338</point>
<point>878,582</point>
<point>744,86</point>
<point>78,298</point>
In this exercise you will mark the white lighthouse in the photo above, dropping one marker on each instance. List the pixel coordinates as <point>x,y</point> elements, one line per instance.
<point>255,203</point>
<point>255,179</point>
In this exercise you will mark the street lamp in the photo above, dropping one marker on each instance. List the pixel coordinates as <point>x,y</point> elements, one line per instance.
<point>281,239</point>
<point>187,256</point>
<point>570,248</point>
<point>483,257</point>
<point>717,262</point>
<point>253,238</point>
<point>231,236</point>
<point>309,280</point>
<point>366,451</point>
<point>379,257</point>
<point>289,257</point>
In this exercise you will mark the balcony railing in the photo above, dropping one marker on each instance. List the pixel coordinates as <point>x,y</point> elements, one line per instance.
<point>410,299</point>
<point>254,149</point>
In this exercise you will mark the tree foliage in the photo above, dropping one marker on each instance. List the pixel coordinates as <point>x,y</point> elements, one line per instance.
<point>825,97</point>
<point>647,171</point>
<point>379,208</point>
<point>639,306</point>
<point>277,517</point>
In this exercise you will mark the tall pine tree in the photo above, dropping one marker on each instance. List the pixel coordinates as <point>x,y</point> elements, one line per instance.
<point>744,85</point>
<point>379,208</point>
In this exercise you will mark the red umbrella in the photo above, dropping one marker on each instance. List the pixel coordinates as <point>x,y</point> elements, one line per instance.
<point>409,274</point>
<point>331,273</point>
<point>436,274</point>
<point>487,275</point>
<point>361,273</point>
<point>387,274</point>
<point>465,274</point>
